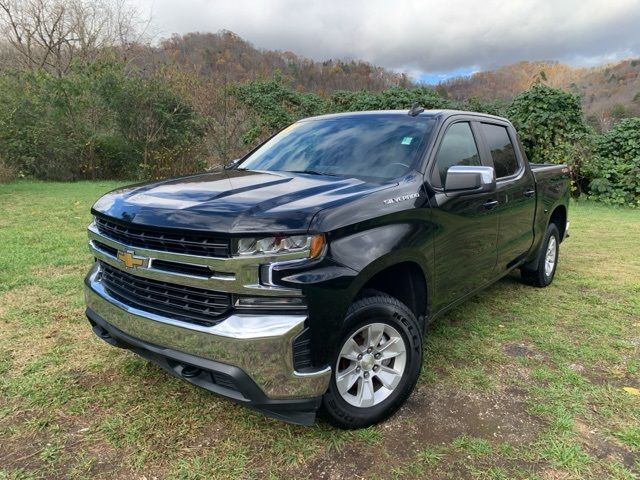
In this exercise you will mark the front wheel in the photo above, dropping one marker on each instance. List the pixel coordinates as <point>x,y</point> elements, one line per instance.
<point>376,364</point>
<point>542,272</point>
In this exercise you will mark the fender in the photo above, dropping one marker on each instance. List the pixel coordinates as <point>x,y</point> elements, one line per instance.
<point>351,262</point>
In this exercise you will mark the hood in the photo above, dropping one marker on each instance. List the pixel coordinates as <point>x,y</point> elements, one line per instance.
<point>234,201</point>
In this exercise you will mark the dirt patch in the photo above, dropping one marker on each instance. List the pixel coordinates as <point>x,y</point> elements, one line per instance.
<point>600,446</point>
<point>21,451</point>
<point>599,375</point>
<point>522,350</point>
<point>432,417</point>
<point>555,474</point>
<point>26,448</point>
<point>352,463</point>
<point>438,415</point>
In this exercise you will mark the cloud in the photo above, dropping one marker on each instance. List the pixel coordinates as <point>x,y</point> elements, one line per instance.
<point>429,37</point>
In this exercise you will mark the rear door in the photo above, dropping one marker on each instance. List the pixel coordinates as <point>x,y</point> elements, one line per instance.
<point>515,193</point>
<point>465,247</point>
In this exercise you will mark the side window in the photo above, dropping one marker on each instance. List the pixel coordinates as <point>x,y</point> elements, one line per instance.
<point>458,148</point>
<point>502,151</point>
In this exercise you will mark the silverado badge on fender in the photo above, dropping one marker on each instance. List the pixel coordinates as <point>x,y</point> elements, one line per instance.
<point>130,260</point>
<point>402,198</point>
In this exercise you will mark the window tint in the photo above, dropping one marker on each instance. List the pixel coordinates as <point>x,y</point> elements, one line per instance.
<point>458,148</point>
<point>502,152</point>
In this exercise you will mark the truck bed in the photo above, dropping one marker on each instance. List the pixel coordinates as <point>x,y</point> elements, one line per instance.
<point>546,170</point>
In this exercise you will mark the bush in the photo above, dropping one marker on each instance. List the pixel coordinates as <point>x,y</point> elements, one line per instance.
<point>275,106</point>
<point>98,121</point>
<point>615,167</point>
<point>475,104</point>
<point>7,173</point>
<point>551,126</point>
<point>394,98</point>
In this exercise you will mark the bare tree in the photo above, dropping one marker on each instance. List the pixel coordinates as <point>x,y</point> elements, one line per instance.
<point>51,34</point>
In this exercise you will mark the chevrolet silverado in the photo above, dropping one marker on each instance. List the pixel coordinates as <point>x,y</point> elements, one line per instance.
<point>303,276</point>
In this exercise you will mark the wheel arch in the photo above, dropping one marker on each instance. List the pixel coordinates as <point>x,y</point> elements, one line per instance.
<point>402,277</point>
<point>559,218</point>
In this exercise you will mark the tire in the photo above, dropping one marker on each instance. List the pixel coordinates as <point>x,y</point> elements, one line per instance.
<point>396,346</point>
<point>541,273</point>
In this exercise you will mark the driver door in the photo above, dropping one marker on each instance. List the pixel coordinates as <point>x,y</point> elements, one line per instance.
<point>465,248</point>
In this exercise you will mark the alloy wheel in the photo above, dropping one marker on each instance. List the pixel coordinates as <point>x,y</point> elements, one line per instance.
<point>370,365</point>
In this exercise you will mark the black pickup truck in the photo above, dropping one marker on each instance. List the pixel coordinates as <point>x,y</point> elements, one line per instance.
<point>302,277</point>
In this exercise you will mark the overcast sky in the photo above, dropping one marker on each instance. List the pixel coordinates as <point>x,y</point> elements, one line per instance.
<point>428,39</point>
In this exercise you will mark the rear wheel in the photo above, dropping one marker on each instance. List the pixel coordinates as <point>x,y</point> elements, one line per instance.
<point>376,364</point>
<point>541,273</point>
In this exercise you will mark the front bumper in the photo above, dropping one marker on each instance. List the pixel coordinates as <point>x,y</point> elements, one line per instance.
<point>246,358</point>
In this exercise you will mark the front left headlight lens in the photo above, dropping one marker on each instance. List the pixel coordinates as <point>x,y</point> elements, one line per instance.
<point>314,244</point>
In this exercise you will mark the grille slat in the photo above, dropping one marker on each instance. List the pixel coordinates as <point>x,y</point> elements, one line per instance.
<point>139,236</point>
<point>191,304</point>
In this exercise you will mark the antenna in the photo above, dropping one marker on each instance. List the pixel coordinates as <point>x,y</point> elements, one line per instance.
<point>416,109</point>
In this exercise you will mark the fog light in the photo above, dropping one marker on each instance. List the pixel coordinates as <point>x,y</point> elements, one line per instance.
<point>270,302</point>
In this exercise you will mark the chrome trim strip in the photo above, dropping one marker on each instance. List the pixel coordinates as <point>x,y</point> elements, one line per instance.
<point>262,346</point>
<point>245,269</point>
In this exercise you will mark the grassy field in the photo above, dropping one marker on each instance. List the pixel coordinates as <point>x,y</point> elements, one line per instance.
<point>517,383</point>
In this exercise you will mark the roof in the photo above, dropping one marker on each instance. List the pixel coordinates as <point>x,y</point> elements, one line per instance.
<point>440,113</point>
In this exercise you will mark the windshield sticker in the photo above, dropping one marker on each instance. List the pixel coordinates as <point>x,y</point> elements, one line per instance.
<point>407,140</point>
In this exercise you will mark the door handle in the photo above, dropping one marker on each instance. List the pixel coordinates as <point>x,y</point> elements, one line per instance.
<point>529,193</point>
<point>489,204</point>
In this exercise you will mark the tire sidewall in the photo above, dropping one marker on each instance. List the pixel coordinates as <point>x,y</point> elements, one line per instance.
<point>552,230</point>
<point>349,416</point>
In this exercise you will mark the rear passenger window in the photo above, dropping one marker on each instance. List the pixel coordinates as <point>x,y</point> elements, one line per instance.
<point>458,148</point>
<point>502,151</point>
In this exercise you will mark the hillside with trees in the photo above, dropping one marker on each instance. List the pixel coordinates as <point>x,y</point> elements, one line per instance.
<point>608,93</point>
<point>227,57</point>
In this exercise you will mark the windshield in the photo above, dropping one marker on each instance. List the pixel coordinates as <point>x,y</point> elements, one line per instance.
<point>384,146</point>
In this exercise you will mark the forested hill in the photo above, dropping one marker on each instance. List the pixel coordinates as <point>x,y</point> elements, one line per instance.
<point>607,91</point>
<point>228,57</point>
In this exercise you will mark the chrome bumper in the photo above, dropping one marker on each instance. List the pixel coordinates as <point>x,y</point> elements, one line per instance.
<point>260,345</point>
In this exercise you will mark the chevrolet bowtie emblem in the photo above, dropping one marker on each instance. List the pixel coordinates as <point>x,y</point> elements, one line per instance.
<point>130,260</point>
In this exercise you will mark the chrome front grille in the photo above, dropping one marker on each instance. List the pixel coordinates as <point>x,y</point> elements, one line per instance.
<point>144,237</point>
<point>194,305</point>
<point>231,274</point>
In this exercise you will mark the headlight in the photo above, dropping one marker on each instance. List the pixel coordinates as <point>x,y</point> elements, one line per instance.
<point>281,244</point>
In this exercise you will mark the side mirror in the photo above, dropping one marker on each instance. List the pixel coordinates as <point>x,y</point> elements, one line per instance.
<point>232,164</point>
<point>465,180</point>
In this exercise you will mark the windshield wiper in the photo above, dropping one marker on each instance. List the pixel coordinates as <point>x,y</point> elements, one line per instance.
<point>312,172</point>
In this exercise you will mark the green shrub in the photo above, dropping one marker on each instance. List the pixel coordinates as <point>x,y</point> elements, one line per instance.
<point>98,121</point>
<point>476,104</point>
<point>615,167</point>
<point>551,126</point>
<point>275,106</point>
<point>394,98</point>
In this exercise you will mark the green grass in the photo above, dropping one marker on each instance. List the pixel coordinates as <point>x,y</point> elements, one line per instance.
<point>516,383</point>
